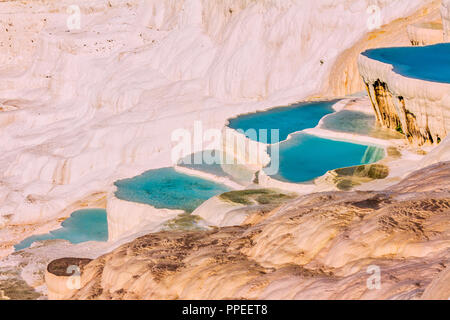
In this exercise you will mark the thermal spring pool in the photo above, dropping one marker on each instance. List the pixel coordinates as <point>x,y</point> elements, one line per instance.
<point>287,119</point>
<point>167,188</point>
<point>304,157</point>
<point>430,63</point>
<point>214,162</point>
<point>82,225</point>
<point>359,123</point>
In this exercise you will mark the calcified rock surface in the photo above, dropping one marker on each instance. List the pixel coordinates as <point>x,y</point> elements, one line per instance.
<point>125,217</point>
<point>420,108</point>
<point>316,246</point>
<point>344,77</point>
<point>82,108</point>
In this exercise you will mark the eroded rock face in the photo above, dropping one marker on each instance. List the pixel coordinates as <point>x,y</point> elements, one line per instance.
<point>391,110</point>
<point>317,246</point>
<point>416,108</point>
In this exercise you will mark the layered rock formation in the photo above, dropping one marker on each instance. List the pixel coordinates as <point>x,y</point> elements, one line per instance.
<point>420,109</point>
<point>81,108</point>
<point>319,246</point>
<point>344,77</point>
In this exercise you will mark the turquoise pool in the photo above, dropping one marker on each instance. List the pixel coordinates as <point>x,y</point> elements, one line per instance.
<point>82,225</point>
<point>305,157</point>
<point>287,119</point>
<point>431,63</point>
<point>167,188</point>
<point>357,122</point>
<point>196,161</point>
<point>222,168</point>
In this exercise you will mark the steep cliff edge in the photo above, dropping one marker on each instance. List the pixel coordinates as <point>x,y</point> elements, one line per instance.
<point>418,108</point>
<point>325,240</point>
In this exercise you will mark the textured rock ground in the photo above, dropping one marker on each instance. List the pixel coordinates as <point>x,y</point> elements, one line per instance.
<point>318,246</point>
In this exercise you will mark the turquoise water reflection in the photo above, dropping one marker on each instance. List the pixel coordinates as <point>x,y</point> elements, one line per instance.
<point>82,225</point>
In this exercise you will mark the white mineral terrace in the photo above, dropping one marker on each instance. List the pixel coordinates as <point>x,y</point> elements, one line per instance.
<point>428,101</point>
<point>81,108</point>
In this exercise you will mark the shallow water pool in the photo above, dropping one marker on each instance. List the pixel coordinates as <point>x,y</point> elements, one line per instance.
<point>220,168</point>
<point>82,225</point>
<point>305,157</point>
<point>431,63</point>
<point>359,123</point>
<point>167,188</point>
<point>287,119</point>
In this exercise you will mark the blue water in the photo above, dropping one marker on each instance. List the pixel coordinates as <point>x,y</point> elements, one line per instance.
<point>216,163</point>
<point>167,188</point>
<point>305,157</point>
<point>357,122</point>
<point>431,63</point>
<point>287,119</point>
<point>209,161</point>
<point>82,225</point>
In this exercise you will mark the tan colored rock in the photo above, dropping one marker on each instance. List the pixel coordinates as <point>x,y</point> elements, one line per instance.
<point>420,108</point>
<point>440,287</point>
<point>318,246</point>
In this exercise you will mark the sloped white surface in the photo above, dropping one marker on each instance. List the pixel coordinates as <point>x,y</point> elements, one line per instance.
<point>82,108</point>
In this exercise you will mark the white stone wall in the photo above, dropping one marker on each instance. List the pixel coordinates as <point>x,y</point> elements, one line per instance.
<point>429,102</point>
<point>126,217</point>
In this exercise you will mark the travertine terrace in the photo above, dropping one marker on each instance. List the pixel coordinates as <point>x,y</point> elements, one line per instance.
<point>318,241</point>
<point>420,108</point>
<point>91,105</point>
<point>91,97</point>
